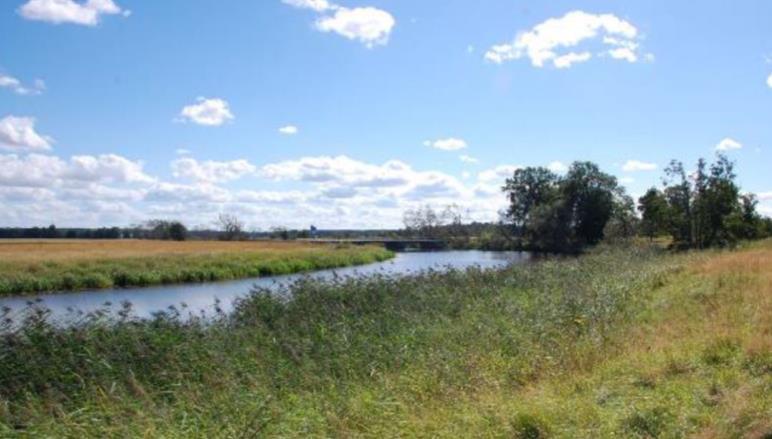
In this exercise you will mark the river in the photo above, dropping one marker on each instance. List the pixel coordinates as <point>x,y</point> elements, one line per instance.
<point>201,298</point>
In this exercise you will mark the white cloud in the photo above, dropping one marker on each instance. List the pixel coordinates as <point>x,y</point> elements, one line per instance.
<point>557,167</point>
<point>328,191</point>
<point>468,159</point>
<point>289,130</point>
<point>497,174</point>
<point>316,5</point>
<point>545,41</point>
<point>18,134</point>
<point>565,61</point>
<point>370,26</point>
<point>211,171</point>
<point>106,168</point>
<point>764,196</point>
<point>626,180</point>
<point>38,170</point>
<point>183,151</point>
<point>189,195</point>
<point>637,165</point>
<point>339,170</point>
<point>86,13</point>
<point>13,84</point>
<point>728,144</point>
<point>449,144</point>
<point>769,81</point>
<point>208,112</point>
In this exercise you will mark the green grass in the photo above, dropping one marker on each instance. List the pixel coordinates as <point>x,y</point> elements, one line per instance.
<point>28,277</point>
<point>619,343</point>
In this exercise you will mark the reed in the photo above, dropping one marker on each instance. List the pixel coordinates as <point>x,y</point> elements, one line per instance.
<point>621,342</point>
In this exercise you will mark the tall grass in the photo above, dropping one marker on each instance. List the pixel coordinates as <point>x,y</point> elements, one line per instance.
<point>142,264</point>
<point>354,356</point>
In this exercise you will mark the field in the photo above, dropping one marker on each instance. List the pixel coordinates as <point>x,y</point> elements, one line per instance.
<point>30,266</point>
<point>631,342</point>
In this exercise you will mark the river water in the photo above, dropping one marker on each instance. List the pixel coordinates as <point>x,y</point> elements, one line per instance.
<point>202,298</point>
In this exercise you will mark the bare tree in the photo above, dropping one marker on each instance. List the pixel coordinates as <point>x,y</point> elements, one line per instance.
<point>232,227</point>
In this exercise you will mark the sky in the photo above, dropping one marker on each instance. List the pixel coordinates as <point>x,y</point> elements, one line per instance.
<point>345,113</point>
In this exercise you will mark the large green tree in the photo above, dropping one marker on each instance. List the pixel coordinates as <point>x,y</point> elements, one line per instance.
<point>654,213</point>
<point>704,209</point>
<point>562,213</point>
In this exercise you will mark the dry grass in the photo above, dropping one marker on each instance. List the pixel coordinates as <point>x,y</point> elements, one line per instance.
<point>16,250</point>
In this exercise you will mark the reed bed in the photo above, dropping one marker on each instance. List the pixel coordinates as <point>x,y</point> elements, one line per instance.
<point>619,343</point>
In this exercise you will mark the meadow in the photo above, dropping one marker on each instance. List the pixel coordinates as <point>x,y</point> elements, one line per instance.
<point>621,342</point>
<point>33,266</point>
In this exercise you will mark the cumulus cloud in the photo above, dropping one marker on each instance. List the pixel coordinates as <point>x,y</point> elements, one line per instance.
<point>769,81</point>
<point>289,130</point>
<point>211,171</point>
<point>340,170</point>
<point>497,174</point>
<point>18,134</point>
<point>39,170</point>
<point>728,144</point>
<point>87,13</point>
<point>107,168</point>
<point>16,86</point>
<point>449,144</point>
<point>637,165</point>
<point>207,112</point>
<point>557,167</point>
<point>554,40</point>
<point>764,196</point>
<point>468,159</point>
<point>336,191</point>
<point>368,25</point>
<point>316,5</point>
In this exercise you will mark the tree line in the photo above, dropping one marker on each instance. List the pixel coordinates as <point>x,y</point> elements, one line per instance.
<point>568,213</point>
<point>230,228</point>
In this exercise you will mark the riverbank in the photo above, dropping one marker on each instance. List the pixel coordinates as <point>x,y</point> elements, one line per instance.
<point>35,266</point>
<point>626,342</point>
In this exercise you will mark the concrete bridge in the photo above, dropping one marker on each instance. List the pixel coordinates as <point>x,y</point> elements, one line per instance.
<point>397,245</point>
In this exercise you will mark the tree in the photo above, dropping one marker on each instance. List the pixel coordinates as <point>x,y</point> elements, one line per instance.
<point>565,213</point>
<point>746,223</point>
<point>166,230</point>
<point>232,228</point>
<point>623,223</point>
<point>706,209</point>
<point>423,221</point>
<point>177,231</point>
<point>527,188</point>
<point>589,195</point>
<point>678,193</point>
<point>654,213</point>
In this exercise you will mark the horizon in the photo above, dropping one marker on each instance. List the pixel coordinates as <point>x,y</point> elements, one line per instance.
<point>345,114</point>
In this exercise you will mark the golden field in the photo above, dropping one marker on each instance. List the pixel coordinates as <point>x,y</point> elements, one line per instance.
<point>35,250</point>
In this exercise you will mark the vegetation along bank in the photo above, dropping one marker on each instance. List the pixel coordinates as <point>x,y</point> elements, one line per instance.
<point>32,266</point>
<point>620,342</point>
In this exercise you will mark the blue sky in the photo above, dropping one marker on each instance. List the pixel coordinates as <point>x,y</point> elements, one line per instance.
<point>116,111</point>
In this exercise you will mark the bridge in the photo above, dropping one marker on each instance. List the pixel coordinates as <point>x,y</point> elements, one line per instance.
<point>397,245</point>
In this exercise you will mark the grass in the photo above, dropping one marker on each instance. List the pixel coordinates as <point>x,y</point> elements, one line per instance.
<point>619,343</point>
<point>34,266</point>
